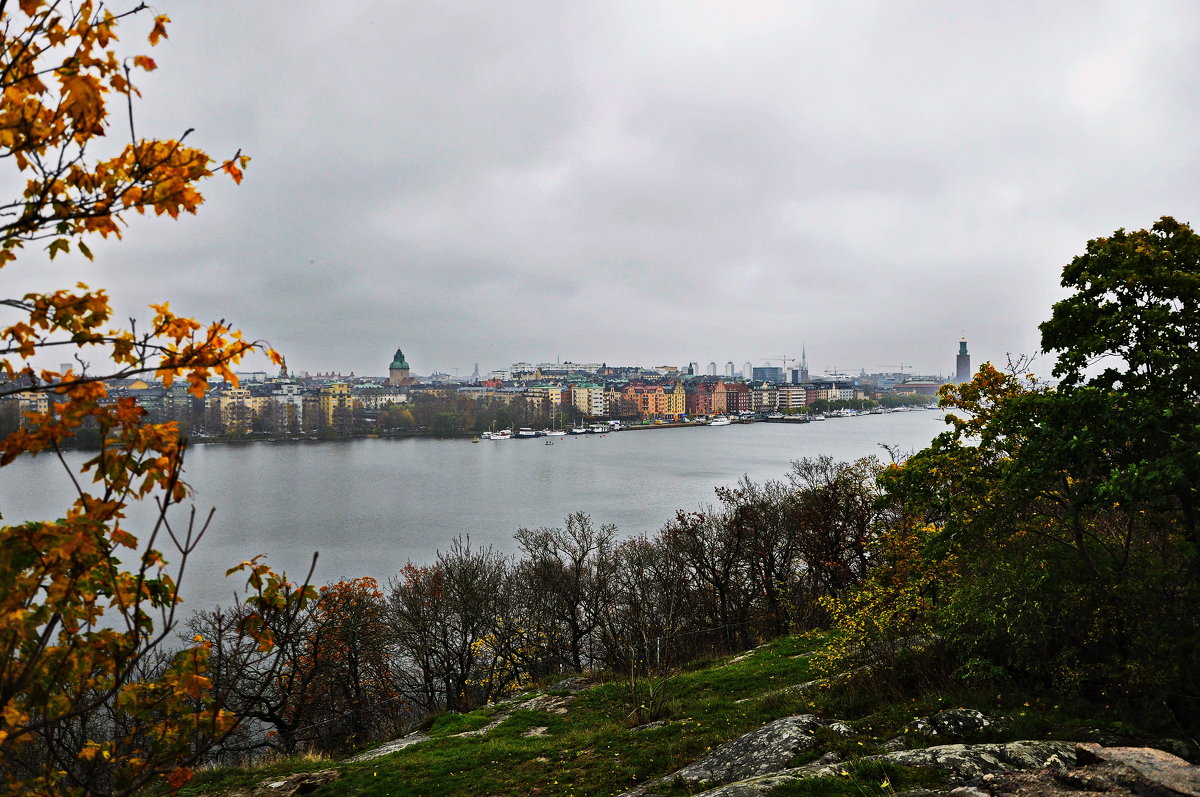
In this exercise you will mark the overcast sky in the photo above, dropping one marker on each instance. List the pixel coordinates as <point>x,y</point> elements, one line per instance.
<point>654,182</point>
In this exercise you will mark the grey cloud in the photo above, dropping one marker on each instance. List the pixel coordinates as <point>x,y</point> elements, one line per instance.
<point>651,182</point>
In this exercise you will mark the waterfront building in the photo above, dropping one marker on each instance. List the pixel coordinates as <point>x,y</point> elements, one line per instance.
<point>699,397</point>
<point>731,396</point>
<point>769,373</point>
<point>32,401</point>
<point>398,375</point>
<point>543,397</point>
<point>337,404</point>
<point>962,371</point>
<point>653,400</point>
<point>764,396</point>
<point>288,403</point>
<point>792,397</point>
<point>590,399</point>
<point>921,387</point>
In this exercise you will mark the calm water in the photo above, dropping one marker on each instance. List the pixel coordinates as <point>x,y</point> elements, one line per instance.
<point>369,506</point>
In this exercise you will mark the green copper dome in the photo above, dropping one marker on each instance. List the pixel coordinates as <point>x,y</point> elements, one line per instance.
<point>398,362</point>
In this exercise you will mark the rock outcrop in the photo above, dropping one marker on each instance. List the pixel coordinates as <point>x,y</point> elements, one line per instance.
<point>968,761</point>
<point>301,783</point>
<point>1165,772</point>
<point>762,751</point>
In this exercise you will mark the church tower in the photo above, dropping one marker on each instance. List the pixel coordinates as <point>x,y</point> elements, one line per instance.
<point>963,370</point>
<point>398,371</point>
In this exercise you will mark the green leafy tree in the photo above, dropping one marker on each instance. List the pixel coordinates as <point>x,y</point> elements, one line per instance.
<point>1135,311</point>
<point>1068,511</point>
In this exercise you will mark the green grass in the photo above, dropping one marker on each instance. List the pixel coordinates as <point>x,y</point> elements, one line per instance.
<point>593,750</point>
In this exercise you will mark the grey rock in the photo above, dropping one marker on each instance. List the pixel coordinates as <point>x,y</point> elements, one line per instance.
<point>895,744</point>
<point>751,787</point>
<point>574,684</point>
<point>1056,762</point>
<point>392,746</point>
<point>302,783</point>
<point>763,751</point>
<point>951,724</point>
<point>551,704</point>
<point>968,791</point>
<point>764,784</point>
<point>971,761</point>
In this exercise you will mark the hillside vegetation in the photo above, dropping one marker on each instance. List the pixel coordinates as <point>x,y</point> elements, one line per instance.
<point>606,737</point>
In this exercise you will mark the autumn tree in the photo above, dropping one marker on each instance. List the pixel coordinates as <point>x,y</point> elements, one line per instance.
<point>85,602</point>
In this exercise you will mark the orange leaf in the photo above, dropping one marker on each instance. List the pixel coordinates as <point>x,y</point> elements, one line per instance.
<point>160,28</point>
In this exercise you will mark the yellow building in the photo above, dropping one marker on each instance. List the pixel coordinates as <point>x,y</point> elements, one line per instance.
<point>337,404</point>
<point>237,407</point>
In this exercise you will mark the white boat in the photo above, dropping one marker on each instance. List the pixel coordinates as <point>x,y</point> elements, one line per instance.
<point>579,430</point>
<point>503,434</point>
<point>597,428</point>
<point>719,420</point>
<point>525,432</point>
<point>816,416</point>
<point>553,432</point>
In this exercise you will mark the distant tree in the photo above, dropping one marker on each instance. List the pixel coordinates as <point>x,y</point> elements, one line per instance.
<point>566,578</point>
<point>445,424</point>
<point>444,621</point>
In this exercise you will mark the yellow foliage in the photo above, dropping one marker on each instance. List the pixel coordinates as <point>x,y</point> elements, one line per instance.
<point>76,623</point>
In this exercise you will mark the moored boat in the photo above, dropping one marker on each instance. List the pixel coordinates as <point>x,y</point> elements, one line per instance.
<point>719,420</point>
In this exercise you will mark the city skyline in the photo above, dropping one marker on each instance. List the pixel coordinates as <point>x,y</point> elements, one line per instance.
<point>737,368</point>
<point>637,183</point>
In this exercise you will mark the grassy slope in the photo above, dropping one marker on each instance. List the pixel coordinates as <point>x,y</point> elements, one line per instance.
<point>593,749</point>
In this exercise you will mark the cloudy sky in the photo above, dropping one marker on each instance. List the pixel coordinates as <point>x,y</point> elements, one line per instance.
<point>655,182</point>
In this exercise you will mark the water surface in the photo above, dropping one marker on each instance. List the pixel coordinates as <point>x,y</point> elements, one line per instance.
<point>369,506</point>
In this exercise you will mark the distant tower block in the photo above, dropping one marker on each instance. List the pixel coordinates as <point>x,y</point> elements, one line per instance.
<point>963,371</point>
<point>398,370</point>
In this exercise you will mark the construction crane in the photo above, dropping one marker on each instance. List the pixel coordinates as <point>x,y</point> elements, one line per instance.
<point>783,360</point>
<point>901,368</point>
